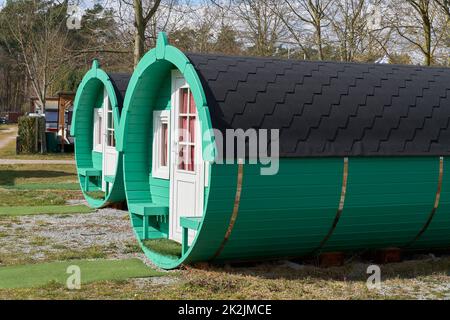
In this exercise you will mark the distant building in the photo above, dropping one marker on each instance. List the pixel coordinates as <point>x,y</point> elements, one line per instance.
<point>58,114</point>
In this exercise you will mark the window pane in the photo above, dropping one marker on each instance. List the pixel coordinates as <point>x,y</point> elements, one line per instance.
<point>183,126</point>
<point>192,107</point>
<point>191,159</point>
<point>111,140</point>
<point>192,129</point>
<point>164,144</point>
<point>110,121</point>
<point>51,116</point>
<point>100,130</point>
<point>184,101</point>
<point>182,155</point>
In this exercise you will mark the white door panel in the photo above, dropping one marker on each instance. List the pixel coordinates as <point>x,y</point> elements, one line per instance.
<point>187,177</point>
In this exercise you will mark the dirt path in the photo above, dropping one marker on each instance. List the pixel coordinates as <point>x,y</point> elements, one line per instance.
<point>5,140</point>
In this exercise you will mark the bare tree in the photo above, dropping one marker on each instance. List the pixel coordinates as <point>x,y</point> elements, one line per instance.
<point>263,28</point>
<point>39,31</point>
<point>421,24</point>
<point>143,12</point>
<point>349,25</point>
<point>313,13</point>
<point>444,5</point>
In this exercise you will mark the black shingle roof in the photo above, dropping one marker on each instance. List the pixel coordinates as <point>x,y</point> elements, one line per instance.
<point>120,84</point>
<point>330,108</point>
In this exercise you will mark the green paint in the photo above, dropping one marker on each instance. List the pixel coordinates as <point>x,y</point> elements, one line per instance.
<point>387,201</point>
<point>33,275</point>
<point>89,96</point>
<point>33,210</point>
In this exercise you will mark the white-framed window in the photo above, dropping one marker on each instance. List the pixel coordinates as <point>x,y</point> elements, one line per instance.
<point>187,127</point>
<point>98,129</point>
<point>161,138</point>
<point>110,138</point>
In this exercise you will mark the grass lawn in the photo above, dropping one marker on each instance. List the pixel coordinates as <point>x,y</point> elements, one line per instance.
<point>44,186</point>
<point>32,275</point>
<point>14,175</point>
<point>32,210</point>
<point>28,185</point>
<point>417,279</point>
<point>9,197</point>
<point>164,246</point>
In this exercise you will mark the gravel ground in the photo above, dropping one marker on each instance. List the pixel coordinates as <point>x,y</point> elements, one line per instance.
<point>106,230</point>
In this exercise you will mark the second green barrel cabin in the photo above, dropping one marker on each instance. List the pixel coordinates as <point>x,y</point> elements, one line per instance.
<point>96,118</point>
<point>363,156</point>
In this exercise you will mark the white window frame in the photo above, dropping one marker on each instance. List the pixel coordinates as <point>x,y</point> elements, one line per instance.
<point>159,118</point>
<point>98,145</point>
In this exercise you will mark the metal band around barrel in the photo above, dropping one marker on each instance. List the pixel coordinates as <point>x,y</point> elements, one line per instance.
<point>436,203</point>
<point>340,208</point>
<point>237,200</point>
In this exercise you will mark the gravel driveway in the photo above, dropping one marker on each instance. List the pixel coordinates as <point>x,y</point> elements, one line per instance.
<point>106,232</point>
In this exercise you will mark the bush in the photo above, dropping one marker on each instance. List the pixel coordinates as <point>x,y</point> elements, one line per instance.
<point>31,135</point>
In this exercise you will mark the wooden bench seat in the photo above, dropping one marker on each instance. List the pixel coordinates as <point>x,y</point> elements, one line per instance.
<point>87,173</point>
<point>146,210</point>
<point>187,223</point>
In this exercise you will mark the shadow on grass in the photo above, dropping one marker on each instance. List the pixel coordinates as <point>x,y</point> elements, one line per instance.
<point>8,177</point>
<point>413,266</point>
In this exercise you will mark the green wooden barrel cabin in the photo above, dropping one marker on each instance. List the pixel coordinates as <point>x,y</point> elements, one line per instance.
<point>362,156</point>
<point>97,108</point>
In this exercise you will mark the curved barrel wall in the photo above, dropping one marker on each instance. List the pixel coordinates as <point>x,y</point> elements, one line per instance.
<point>89,162</point>
<point>326,196</point>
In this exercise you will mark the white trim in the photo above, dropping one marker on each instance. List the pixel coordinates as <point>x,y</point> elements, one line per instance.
<point>109,161</point>
<point>197,177</point>
<point>159,118</point>
<point>98,145</point>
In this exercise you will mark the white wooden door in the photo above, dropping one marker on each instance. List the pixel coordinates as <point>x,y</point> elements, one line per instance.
<point>109,142</point>
<point>187,168</point>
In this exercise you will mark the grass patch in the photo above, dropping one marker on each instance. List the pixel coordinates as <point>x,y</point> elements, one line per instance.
<point>26,276</point>
<point>165,247</point>
<point>132,247</point>
<point>58,252</point>
<point>18,174</point>
<point>21,185</point>
<point>100,195</point>
<point>39,241</point>
<point>9,150</point>
<point>24,210</point>
<point>94,252</point>
<point>12,198</point>
<point>44,186</point>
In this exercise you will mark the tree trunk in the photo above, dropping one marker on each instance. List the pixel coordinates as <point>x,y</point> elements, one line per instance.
<point>319,40</point>
<point>427,34</point>
<point>139,34</point>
